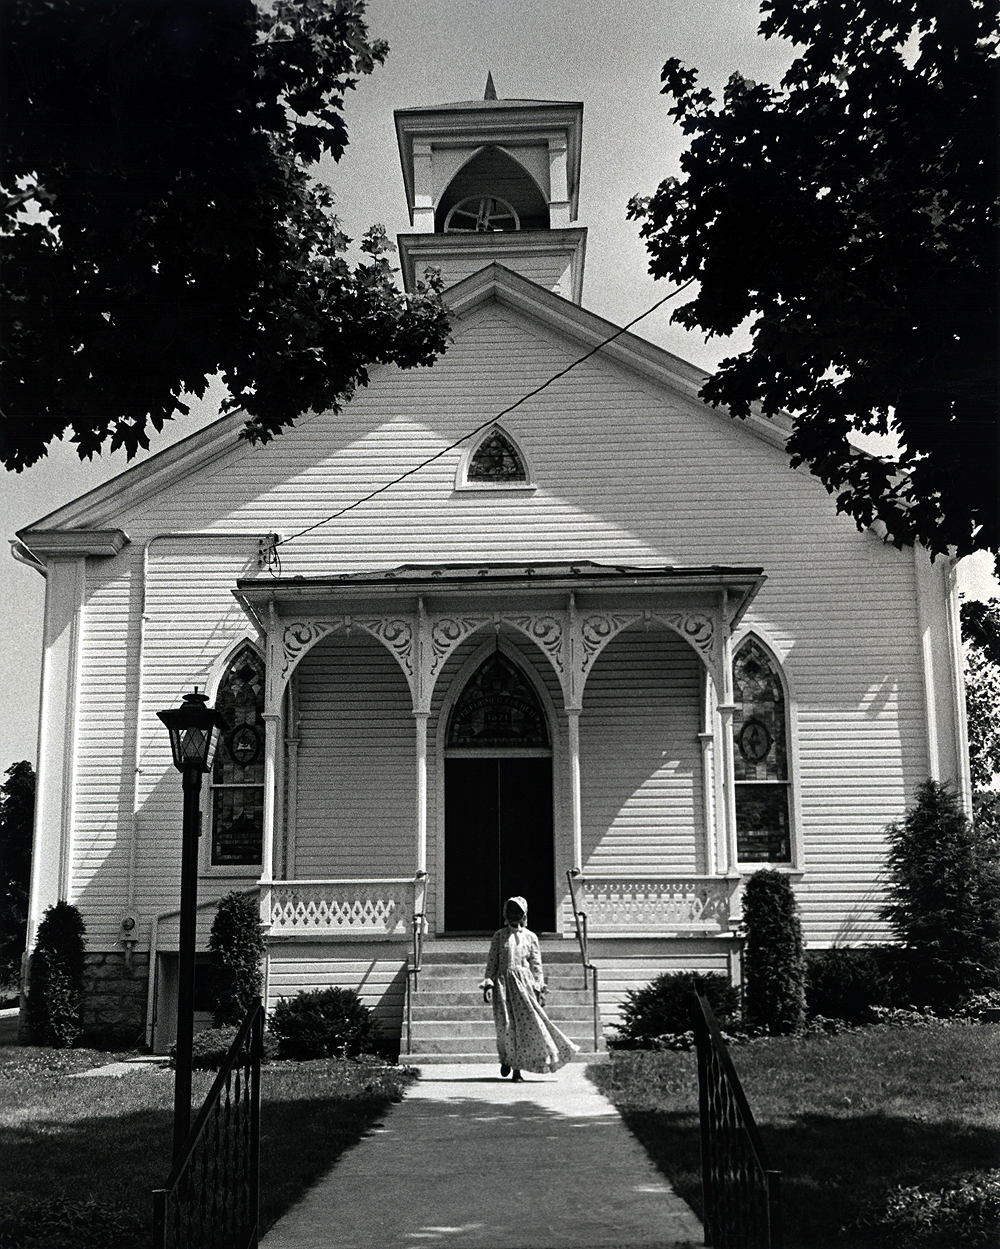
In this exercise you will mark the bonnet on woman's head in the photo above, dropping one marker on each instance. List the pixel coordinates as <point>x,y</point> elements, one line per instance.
<point>519,902</point>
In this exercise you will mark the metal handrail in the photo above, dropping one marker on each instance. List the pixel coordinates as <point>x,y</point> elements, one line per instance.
<point>413,970</point>
<point>213,1198</point>
<point>741,1192</point>
<point>580,919</point>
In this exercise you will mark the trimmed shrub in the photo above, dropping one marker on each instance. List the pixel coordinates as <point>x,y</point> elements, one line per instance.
<point>55,996</point>
<point>237,954</point>
<point>845,983</point>
<point>664,1006</point>
<point>774,963</point>
<point>323,1023</point>
<point>944,898</point>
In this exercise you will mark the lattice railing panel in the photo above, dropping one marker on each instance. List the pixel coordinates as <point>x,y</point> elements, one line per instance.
<point>638,905</point>
<point>374,908</point>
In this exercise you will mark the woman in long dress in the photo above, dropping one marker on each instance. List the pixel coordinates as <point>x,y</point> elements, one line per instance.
<point>527,1040</point>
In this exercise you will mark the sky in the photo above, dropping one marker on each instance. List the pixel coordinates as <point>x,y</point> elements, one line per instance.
<point>607,54</point>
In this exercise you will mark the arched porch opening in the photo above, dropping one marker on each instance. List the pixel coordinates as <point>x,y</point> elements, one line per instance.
<point>498,810</point>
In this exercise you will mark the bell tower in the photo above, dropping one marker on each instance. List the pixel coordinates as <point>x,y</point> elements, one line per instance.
<point>494,181</point>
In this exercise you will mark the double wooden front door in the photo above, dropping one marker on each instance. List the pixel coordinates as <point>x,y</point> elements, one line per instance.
<point>498,841</point>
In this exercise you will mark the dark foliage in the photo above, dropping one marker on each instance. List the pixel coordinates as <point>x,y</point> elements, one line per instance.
<point>68,1223</point>
<point>850,217</point>
<point>161,224</point>
<point>17,810</point>
<point>55,996</point>
<point>238,952</point>
<point>944,898</point>
<point>773,963</point>
<point>324,1023</point>
<point>664,1005</point>
<point>211,1046</point>
<point>981,633</point>
<point>847,982</point>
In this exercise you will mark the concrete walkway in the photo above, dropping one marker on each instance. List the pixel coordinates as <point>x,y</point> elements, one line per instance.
<point>471,1161</point>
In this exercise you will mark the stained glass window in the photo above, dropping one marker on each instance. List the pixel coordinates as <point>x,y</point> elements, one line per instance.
<point>497,708</point>
<point>238,772</point>
<point>496,459</point>
<point>761,757</point>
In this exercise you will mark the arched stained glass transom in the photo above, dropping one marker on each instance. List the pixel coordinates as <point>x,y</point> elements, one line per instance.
<point>238,771</point>
<point>763,832</point>
<point>498,707</point>
<point>496,460</point>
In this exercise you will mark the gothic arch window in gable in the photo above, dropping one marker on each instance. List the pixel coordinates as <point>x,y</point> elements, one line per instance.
<point>237,790</point>
<point>762,775</point>
<point>496,460</point>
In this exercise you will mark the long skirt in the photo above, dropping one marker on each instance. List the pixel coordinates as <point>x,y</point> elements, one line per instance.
<point>527,1039</point>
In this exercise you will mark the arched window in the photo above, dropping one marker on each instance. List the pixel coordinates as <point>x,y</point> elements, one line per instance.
<point>238,772</point>
<point>497,708</point>
<point>763,826</point>
<point>496,461</point>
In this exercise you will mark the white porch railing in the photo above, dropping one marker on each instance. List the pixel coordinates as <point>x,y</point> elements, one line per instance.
<point>648,906</point>
<point>377,908</point>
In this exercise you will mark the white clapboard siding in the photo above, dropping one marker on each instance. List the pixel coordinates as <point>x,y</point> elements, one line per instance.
<point>356,763</point>
<point>105,745</point>
<point>640,761</point>
<point>624,472</point>
<point>633,964</point>
<point>550,270</point>
<point>376,971</point>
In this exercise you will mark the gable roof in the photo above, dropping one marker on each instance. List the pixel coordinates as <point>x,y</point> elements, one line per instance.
<point>493,283</point>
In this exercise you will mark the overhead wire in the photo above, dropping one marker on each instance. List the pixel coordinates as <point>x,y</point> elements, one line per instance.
<point>484,425</point>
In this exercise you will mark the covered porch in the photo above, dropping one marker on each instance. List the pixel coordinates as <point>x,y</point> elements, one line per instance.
<point>496,666</point>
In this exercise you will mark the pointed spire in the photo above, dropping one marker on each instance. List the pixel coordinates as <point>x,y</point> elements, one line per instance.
<point>491,91</point>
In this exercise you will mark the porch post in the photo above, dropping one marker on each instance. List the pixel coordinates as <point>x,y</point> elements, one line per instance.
<point>273,694</point>
<point>576,806</point>
<point>272,721</point>
<point>421,718</point>
<point>726,709</point>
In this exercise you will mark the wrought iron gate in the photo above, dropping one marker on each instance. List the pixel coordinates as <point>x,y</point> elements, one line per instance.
<point>210,1199</point>
<point>741,1192</point>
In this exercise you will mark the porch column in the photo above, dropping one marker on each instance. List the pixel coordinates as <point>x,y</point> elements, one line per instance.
<point>576,806</point>
<point>421,719</point>
<point>708,806</point>
<point>272,727</point>
<point>728,786</point>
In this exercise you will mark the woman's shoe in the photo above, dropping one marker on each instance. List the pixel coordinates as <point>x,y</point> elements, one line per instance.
<point>517,1078</point>
<point>504,1069</point>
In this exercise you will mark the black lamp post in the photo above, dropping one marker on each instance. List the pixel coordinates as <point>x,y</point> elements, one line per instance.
<point>192,739</point>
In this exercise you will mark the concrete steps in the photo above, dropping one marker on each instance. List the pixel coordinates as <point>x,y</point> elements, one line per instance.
<point>449,1022</point>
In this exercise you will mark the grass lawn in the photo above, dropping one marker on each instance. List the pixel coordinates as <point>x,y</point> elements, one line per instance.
<point>847,1119</point>
<point>109,1139</point>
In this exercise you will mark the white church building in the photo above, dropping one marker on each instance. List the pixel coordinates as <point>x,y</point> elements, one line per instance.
<point>605,638</point>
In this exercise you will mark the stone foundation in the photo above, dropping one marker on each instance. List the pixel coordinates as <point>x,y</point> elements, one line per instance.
<point>114,999</point>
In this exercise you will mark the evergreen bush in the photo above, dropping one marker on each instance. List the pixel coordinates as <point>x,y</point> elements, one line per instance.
<point>847,983</point>
<point>774,963</point>
<point>55,996</point>
<point>237,954</point>
<point>323,1023</point>
<point>944,898</point>
<point>664,1006</point>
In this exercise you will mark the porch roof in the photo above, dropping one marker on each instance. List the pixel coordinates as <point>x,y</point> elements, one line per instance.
<point>538,583</point>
